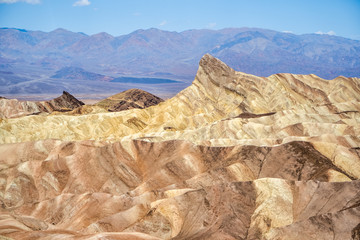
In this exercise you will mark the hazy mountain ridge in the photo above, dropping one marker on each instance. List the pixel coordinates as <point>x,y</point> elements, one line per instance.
<point>155,53</point>
<point>79,73</point>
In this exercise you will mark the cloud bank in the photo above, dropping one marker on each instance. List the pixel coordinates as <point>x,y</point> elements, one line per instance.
<point>81,3</point>
<point>211,25</point>
<point>163,23</point>
<point>15,1</point>
<point>331,32</point>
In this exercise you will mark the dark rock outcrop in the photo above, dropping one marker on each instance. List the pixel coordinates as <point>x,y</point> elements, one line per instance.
<point>129,99</point>
<point>65,102</point>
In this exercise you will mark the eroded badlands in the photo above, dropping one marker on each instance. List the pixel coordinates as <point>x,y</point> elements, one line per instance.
<point>233,156</point>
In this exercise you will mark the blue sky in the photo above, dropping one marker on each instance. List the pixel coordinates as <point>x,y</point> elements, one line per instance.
<point>117,17</point>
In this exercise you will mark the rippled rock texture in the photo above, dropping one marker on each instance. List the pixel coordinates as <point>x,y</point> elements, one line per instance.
<point>234,156</point>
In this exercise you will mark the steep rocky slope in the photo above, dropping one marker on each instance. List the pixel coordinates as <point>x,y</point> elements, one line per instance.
<point>11,108</point>
<point>233,156</point>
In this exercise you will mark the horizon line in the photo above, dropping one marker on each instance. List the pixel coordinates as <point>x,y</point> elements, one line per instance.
<point>170,31</point>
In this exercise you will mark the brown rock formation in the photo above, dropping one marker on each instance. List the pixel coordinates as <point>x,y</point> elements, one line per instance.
<point>65,102</point>
<point>234,156</point>
<point>12,108</point>
<point>175,189</point>
<point>129,99</point>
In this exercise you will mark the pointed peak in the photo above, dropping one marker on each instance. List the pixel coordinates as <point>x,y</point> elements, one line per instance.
<point>208,57</point>
<point>68,100</point>
<point>212,71</point>
<point>102,35</point>
<point>210,64</point>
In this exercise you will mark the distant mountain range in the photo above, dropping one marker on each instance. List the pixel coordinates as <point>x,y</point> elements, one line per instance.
<point>80,74</point>
<point>30,60</point>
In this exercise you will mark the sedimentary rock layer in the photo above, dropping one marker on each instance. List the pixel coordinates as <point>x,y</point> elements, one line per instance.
<point>173,189</point>
<point>234,156</point>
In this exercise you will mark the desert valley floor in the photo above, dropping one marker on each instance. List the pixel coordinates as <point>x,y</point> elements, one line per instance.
<point>233,156</point>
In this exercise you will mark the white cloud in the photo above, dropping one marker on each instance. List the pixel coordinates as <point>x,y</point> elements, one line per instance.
<point>163,23</point>
<point>15,1</point>
<point>81,3</point>
<point>331,32</point>
<point>287,31</point>
<point>211,25</point>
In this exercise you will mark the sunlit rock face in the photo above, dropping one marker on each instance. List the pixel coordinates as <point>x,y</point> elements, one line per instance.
<point>233,156</point>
